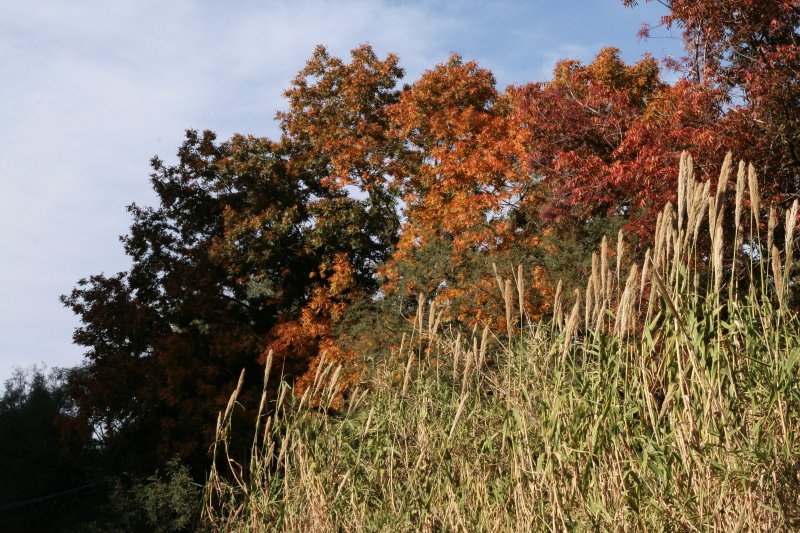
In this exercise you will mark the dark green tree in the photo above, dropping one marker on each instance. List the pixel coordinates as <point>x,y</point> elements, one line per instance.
<point>50,473</point>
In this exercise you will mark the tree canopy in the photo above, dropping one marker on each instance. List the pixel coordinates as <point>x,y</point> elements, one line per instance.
<point>376,192</point>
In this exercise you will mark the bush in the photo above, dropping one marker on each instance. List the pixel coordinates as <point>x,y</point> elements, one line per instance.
<point>167,503</point>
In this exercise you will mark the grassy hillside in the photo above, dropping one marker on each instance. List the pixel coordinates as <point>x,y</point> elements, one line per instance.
<point>664,396</point>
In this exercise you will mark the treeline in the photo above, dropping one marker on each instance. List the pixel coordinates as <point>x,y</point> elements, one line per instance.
<point>314,246</point>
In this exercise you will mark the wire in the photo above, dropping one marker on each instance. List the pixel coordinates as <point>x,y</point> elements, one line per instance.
<point>40,499</point>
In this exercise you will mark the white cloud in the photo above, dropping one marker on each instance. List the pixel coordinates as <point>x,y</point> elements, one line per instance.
<point>91,90</point>
<point>577,51</point>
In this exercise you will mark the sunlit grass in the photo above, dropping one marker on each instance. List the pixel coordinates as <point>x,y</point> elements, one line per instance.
<point>664,397</point>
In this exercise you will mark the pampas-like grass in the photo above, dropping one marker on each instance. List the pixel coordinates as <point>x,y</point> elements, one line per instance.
<point>655,405</point>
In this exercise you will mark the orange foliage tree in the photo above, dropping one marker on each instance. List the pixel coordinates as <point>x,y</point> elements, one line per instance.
<point>460,179</point>
<point>255,245</point>
<point>336,130</point>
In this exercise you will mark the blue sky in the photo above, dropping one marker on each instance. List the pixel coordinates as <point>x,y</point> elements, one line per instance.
<point>91,90</point>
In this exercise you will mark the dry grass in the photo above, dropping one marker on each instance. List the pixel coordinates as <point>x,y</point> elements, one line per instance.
<point>668,397</point>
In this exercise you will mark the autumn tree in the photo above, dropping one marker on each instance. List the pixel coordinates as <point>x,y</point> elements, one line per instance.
<point>459,182</point>
<point>535,174</point>
<point>604,140</point>
<point>337,130</point>
<point>596,135</point>
<point>255,245</point>
<point>750,52</point>
<point>166,339</point>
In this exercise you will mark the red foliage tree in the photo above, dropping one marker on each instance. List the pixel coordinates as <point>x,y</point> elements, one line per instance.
<point>604,138</point>
<point>749,51</point>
